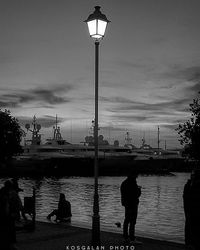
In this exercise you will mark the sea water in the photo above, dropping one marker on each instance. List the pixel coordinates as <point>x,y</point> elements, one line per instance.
<point>160,212</point>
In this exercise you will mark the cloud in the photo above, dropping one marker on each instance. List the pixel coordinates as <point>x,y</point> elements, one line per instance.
<point>170,126</point>
<point>49,96</point>
<point>125,104</point>
<point>111,128</point>
<point>139,65</point>
<point>8,104</point>
<point>132,117</point>
<point>166,112</point>
<point>194,89</point>
<point>117,99</point>
<point>178,72</point>
<point>194,74</point>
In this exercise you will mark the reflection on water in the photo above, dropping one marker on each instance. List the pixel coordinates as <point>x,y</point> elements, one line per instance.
<point>160,209</point>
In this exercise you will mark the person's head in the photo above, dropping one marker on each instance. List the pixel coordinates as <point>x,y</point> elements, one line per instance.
<point>62,196</point>
<point>15,184</point>
<point>15,179</point>
<point>195,175</point>
<point>133,174</point>
<point>8,185</point>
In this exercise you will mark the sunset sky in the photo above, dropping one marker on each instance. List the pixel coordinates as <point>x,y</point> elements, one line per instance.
<point>149,66</point>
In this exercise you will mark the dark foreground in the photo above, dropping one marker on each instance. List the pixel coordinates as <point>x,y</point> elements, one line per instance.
<point>50,236</point>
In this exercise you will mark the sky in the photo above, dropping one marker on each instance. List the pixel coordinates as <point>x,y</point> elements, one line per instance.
<point>149,69</point>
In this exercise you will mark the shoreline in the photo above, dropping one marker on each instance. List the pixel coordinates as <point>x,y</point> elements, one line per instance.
<point>109,229</point>
<point>85,167</point>
<point>55,236</point>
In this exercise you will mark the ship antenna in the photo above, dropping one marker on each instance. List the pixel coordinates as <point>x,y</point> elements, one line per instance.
<point>57,134</point>
<point>143,139</point>
<point>56,121</point>
<point>128,139</point>
<point>158,139</point>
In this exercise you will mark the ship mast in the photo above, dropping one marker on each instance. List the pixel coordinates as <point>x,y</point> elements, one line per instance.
<point>36,137</point>
<point>56,131</point>
<point>128,139</point>
<point>143,140</point>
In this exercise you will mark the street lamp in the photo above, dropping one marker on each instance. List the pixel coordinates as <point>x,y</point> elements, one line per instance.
<point>97,23</point>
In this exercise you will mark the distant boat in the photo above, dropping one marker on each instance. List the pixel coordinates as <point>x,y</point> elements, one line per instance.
<point>34,148</point>
<point>86,148</point>
<point>57,156</point>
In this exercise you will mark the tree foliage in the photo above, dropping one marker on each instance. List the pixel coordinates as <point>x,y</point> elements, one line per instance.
<point>10,136</point>
<point>190,131</point>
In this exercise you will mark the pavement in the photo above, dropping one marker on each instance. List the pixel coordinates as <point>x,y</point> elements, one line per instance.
<point>63,236</point>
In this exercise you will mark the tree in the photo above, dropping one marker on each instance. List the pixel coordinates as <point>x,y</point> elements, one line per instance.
<point>10,136</point>
<point>190,131</point>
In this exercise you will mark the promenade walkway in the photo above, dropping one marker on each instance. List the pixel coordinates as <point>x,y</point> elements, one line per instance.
<point>50,236</point>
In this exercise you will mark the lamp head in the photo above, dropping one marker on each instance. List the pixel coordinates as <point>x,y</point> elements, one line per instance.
<point>97,23</point>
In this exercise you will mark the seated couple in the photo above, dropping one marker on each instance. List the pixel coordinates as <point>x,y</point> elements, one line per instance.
<point>63,213</point>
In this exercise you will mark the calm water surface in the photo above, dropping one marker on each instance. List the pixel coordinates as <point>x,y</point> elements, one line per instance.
<point>160,208</point>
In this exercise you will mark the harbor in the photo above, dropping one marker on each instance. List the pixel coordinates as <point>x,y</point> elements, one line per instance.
<point>55,156</point>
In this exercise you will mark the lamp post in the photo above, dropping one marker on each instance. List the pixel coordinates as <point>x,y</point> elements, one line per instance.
<point>97,23</point>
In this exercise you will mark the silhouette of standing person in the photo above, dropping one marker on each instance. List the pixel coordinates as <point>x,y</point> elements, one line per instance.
<point>130,193</point>
<point>4,217</point>
<point>191,201</point>
<point>187,211</point>
<point>7,221</point>
<point>64,210</point>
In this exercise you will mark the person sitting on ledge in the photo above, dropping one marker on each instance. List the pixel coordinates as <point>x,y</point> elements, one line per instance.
<point>63,213</point>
